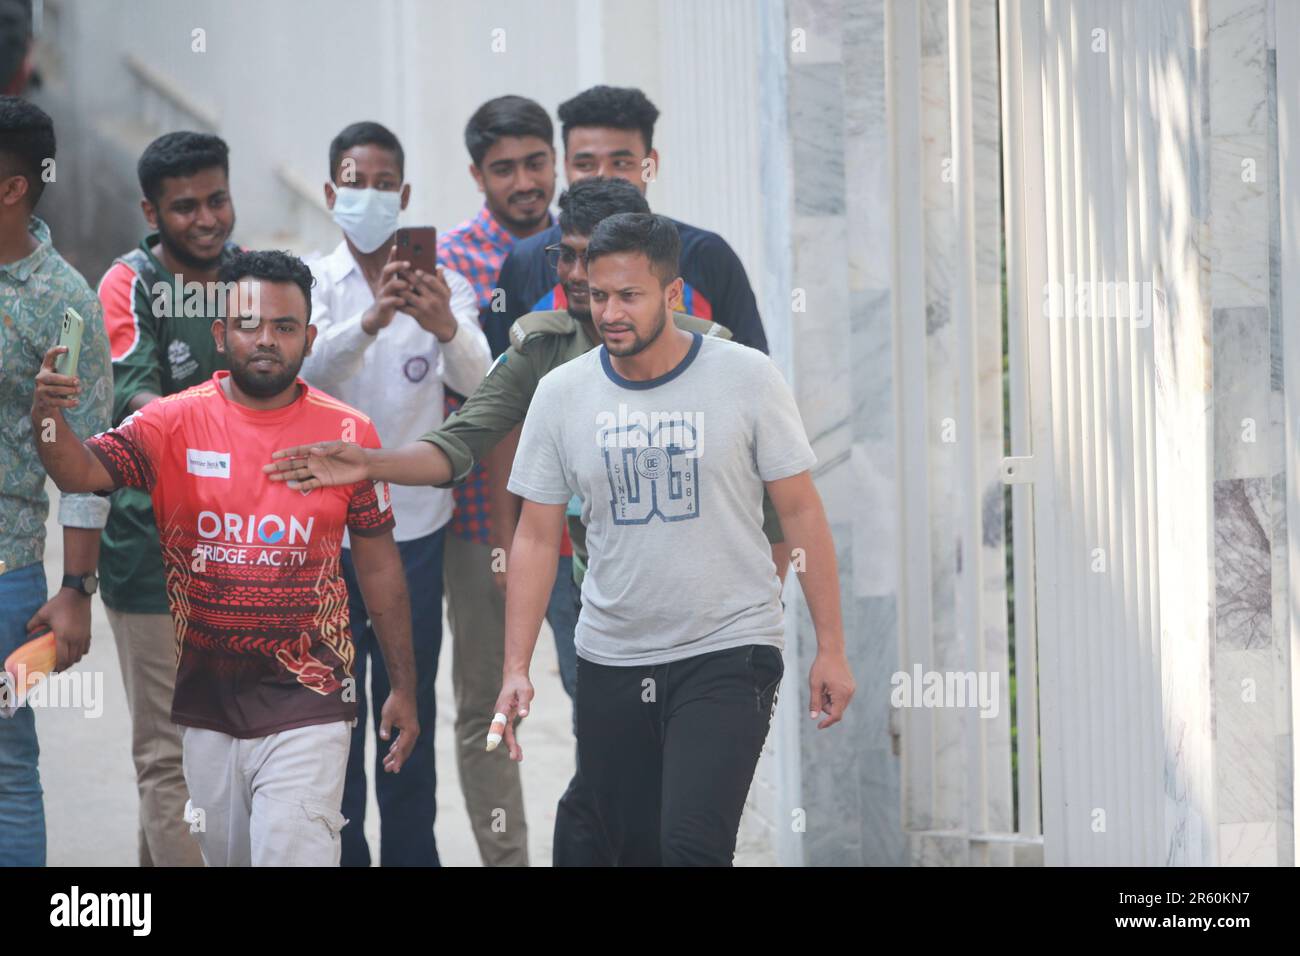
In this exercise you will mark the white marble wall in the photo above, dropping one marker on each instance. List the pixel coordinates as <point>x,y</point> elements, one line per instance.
<point>1251,663</point>
<point>864,123</point>
<point>841,358</point>
<point>886,773</point>
<point>1182,369</point>
<point>1198,199</point>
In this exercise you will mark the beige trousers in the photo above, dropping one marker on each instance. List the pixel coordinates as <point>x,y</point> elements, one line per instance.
<point>146,649</point>
<point>490,782</point>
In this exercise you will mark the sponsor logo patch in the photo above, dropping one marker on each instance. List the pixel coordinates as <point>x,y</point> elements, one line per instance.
<point>207,464</point>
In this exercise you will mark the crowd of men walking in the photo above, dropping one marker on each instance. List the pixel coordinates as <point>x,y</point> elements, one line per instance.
<point>569,417</point>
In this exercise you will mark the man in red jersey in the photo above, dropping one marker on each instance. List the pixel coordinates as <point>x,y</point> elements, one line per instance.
<point>264,685</point>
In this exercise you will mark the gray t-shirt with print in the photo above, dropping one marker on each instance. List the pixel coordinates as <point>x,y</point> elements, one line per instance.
<point>670,472</point>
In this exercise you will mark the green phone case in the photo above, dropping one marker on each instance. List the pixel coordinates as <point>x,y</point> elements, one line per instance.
<point>70,335</point>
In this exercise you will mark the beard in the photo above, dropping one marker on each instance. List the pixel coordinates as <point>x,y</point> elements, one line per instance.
<point>639,344</point>
<point>580,312</point>
<point>264,384</point>
<point>515,222</point>
<point>183,255</point>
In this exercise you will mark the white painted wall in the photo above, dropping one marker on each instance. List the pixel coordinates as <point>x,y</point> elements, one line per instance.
<point>284,77</point>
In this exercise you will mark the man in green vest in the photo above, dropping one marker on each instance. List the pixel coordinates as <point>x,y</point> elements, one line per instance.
<point>159,302</point>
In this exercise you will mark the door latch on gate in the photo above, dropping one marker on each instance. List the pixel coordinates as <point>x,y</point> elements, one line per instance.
<point>1018,471</point>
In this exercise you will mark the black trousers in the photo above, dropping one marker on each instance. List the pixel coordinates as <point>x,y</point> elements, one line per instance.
<point>666,754</point>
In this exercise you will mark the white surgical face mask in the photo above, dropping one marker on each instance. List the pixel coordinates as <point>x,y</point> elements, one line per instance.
<point>368,216</point>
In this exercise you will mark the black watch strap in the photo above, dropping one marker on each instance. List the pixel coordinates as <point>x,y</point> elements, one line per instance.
<point>86,584</point>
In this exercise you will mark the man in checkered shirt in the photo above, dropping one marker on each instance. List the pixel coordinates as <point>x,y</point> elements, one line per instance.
<point>510,144</point>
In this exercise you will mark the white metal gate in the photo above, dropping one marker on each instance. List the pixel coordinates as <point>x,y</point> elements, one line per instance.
<point>1087,196</point>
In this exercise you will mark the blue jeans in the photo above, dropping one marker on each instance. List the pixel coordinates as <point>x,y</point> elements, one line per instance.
<point>22,811</point>
<point>562,615</point>
<point>406,800</point>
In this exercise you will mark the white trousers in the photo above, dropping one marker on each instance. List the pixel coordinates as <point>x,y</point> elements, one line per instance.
<point>267,801</point>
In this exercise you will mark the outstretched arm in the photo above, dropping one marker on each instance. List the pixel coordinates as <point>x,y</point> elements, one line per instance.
<point>307,467</point>
<point>440,458</point>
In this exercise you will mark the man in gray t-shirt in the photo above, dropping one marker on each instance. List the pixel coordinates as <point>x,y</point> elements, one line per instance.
<point>670,472</point>
<point>669,438</point>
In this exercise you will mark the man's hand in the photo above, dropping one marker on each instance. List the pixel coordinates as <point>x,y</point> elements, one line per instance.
<point>830,687</point>
<point>428,301</point>
<point>515,699</point>
<point>392,290</point>
<point>399,711</point>
<point>53,391</point>
<point>308,467</point>
<point>67,614</point>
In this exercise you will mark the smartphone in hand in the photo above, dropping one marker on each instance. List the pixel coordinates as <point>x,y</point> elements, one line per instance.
<point>70,337</point>
<point>418,245</point>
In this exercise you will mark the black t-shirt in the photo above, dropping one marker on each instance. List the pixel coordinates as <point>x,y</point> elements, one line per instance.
<point>718,288</point>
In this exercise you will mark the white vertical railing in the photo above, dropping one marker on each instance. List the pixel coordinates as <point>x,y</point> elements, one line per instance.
<point>908,282</point>
<point>942,82</point>
<point>1016,187</point>
<point>1079,139</point>
<point>966,357</point>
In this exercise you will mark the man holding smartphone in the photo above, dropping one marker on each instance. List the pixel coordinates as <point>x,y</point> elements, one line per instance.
<point>36,286</point>
<point>390,335</point>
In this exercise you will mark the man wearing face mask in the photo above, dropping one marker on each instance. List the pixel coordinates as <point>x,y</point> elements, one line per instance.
<point>389,338</point>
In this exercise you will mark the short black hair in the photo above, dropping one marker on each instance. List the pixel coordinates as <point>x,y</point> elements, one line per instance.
<point>365,133</point>
<point>617,107</point>
<point>653,236</point>
<point>589,201</point>
<point>506,116</point>
<point>269,266</point>
<point>182,153</point>
<point>26,142</point>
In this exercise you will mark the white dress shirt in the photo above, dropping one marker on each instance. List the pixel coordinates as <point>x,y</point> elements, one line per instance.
<point>395,376</point>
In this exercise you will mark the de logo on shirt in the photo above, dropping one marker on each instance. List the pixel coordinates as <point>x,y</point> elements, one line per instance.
<point>653,466</point>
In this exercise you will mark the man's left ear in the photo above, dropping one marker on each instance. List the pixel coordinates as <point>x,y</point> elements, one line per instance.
<point>406,194</point>
<point>311,337</point>
<point>12,190</point>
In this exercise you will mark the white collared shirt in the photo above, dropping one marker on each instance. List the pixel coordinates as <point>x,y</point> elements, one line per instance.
<point>396,376</point>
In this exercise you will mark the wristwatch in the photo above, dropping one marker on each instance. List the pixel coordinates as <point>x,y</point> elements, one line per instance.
<point>87,583</point>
